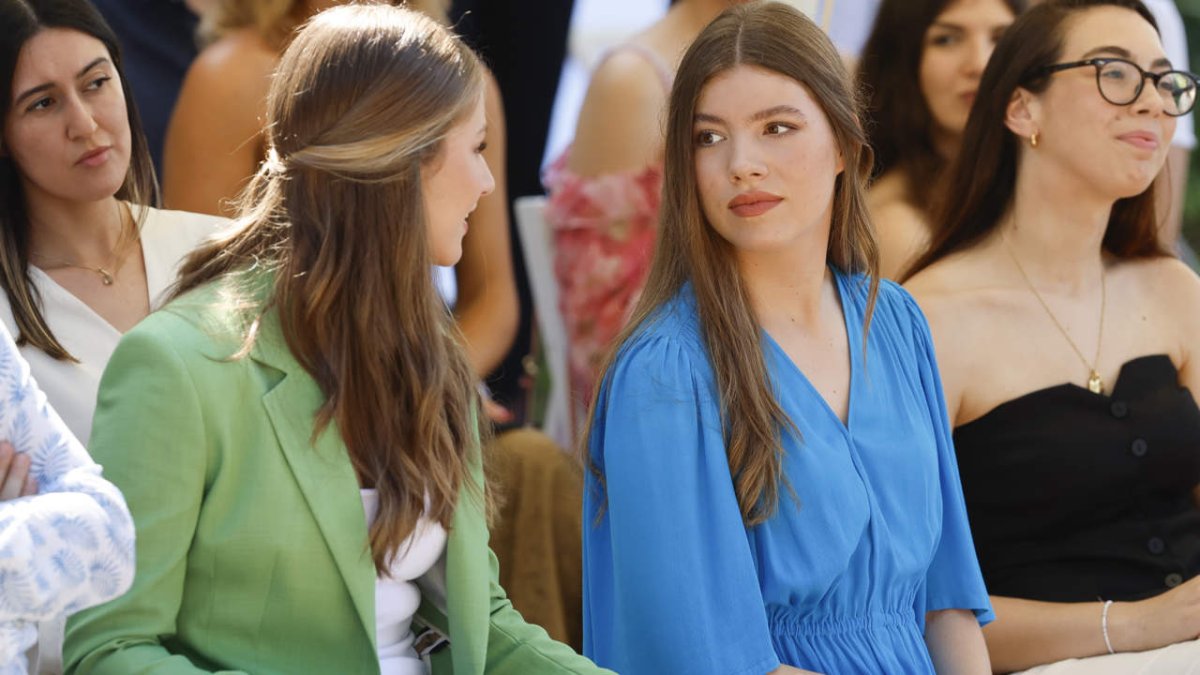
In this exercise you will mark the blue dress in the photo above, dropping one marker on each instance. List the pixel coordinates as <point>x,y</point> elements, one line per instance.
<point>837,582</point>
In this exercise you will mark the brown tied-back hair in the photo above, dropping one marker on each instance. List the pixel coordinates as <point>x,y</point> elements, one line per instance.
<point>780,39</point>
<point>901,125</point>
<point>362,100</point>
<point>23,19</point>
<point>984,177</point>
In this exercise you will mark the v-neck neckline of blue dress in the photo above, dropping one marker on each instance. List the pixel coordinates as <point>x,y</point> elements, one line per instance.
<point>853,338</point>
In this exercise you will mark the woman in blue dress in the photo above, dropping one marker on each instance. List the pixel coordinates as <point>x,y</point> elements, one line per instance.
<point>772,482</point>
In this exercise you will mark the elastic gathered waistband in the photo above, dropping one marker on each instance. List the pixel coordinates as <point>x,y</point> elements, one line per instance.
<point>785,620</point>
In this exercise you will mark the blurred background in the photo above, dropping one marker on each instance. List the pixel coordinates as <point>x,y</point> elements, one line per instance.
<point>1190,9</point>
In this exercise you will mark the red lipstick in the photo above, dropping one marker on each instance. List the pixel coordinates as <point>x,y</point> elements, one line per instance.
<point>751,204</point>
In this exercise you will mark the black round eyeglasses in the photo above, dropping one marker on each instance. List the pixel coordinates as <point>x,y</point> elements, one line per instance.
<point>1121,81</point>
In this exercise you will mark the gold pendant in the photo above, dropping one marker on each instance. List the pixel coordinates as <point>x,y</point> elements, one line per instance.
<point>105,276</point>
<point>1095,384</point>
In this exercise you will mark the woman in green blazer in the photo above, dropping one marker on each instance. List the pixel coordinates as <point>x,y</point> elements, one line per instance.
<point>307,363</point>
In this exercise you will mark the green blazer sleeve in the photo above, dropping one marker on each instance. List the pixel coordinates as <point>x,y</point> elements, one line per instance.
<point>149,437</point>
<point>516,647</point>
<point>487,635</point>
<point>252,551</point>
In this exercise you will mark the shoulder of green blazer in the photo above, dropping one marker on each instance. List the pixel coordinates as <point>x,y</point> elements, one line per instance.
<point>188,346</point>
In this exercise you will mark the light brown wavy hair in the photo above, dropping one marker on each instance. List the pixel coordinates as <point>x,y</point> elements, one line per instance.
<point>780,39</point>
<point>362,100</point>
<point>275,20</point>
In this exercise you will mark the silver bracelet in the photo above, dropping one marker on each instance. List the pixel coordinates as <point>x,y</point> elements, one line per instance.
<point>1104,625</point>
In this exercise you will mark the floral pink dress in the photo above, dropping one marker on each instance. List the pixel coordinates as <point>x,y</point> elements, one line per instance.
<point>604,228</point>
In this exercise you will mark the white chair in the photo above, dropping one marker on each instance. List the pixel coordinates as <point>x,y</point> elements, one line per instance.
<point>538,248</point>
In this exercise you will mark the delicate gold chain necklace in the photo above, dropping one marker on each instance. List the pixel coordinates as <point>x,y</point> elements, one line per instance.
<point>1094,383</point>
<point>107,273</point>
<point>106,277</point>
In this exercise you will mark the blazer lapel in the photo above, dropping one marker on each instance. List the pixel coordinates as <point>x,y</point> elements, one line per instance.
<point>321,469</point>
<point>468,578</point>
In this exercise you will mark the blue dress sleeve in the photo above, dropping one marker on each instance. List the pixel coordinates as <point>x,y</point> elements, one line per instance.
<point>670,581</point>
<point>954,580</point>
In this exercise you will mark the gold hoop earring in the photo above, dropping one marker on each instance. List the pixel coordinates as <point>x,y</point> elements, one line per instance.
<point>1033,140</point>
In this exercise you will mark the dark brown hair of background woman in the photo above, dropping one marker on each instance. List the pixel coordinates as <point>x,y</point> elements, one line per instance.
<point>900,124</point>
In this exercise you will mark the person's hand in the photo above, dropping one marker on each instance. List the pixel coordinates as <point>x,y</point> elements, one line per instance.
<point>15,479</point>
<point>1165,619</point>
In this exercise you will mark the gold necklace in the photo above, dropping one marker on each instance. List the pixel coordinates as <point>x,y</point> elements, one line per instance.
<point>108,278</point>
<point>1094,383</point>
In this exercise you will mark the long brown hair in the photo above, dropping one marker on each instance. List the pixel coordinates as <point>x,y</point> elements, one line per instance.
<point>901,125</point>
<point>984,177</point>
<point>362,99</point>
<point>23,19</point>
<point>778,38</point>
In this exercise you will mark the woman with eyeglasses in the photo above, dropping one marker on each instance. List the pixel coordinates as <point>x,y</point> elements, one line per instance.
<point>1069,345</point>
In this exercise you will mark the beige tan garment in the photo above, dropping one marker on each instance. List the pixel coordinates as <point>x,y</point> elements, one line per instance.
<point>538,532</point>
<point>1182,658</point>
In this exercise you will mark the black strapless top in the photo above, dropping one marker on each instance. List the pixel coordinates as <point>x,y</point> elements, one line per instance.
<point>1075,496</point>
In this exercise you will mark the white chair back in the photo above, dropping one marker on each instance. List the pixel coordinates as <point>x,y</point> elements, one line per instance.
<point>538,248</point>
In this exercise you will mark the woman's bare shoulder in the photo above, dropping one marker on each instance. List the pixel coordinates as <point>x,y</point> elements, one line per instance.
<point>622,119</point>
<point>235,70</point>
<point>902,228</point>
<point>953,283</point>
<point>889,188</point>
<point>1165,282</point>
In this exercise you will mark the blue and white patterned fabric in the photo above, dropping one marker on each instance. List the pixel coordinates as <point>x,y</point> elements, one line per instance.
<point>68,547</point>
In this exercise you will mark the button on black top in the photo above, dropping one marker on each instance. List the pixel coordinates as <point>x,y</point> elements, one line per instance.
<point>1118,409</point>
<point>1156,545</point>
<point>1173,579</point>
<point>1139,447</point>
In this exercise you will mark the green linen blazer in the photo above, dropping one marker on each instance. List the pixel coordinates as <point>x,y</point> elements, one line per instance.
<point>252,552</point>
